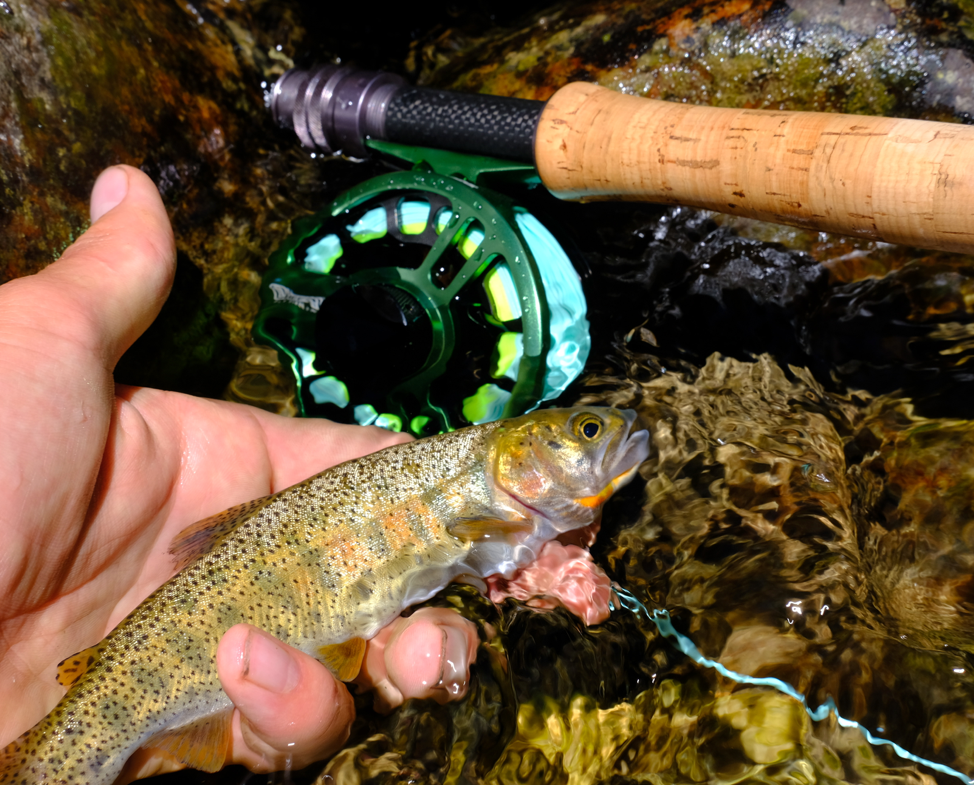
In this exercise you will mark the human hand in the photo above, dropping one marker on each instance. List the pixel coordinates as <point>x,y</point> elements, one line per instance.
<point>97,479</point>
<point>426,655</point>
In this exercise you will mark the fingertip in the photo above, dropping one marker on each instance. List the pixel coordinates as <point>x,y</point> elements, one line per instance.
<point>290,707</point>
<point>113,280</point>
<point>230,654</point>
<point>298,447</point>
<point>255,668</point>
<point>142,208</point>
<point>432,655</point>
<point>109,190</point>
<point>389,438</point>
<point>415,658</point>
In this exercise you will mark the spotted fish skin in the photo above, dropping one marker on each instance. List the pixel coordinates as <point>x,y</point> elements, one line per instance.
<point>333,558</point>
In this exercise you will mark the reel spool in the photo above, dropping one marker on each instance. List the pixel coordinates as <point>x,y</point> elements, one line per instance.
<point>420,301</point>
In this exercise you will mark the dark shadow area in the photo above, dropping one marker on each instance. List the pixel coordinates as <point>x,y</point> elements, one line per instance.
<point>187,348</point>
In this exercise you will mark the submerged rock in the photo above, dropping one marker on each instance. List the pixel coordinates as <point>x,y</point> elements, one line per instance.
<point>815,538</point>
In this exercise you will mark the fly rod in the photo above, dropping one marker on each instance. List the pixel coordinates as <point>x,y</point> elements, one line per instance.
<point>893,180</point>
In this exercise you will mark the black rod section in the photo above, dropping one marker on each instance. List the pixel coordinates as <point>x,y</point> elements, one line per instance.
<point>469,123</point>
<point>335,109</point>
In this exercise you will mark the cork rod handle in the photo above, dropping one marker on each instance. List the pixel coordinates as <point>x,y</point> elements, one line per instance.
<point>898,181</point>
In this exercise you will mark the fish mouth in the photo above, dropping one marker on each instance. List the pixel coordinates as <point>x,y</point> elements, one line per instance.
<point>617,482</point>
<point>622,459</point>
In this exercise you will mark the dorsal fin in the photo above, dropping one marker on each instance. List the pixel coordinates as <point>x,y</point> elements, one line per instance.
<point>344,659</point>
<point>476,529</point>
<point>200,537</point>
<point>202,744</point>
<point>70,669</point>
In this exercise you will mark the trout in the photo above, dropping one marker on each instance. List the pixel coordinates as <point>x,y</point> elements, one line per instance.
<point>323,565</point>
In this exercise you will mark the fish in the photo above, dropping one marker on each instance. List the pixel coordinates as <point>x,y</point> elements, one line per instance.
<point>323,566</point>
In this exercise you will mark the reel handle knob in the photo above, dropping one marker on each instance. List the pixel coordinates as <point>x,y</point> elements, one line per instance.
<point>333,108</point>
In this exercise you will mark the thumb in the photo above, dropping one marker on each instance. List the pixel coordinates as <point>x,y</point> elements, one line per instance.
<point>291,710</point>
<point>62,331</point>
<point>110,284</point>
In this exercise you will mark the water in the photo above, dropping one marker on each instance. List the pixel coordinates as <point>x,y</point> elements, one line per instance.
<point>794,529</point>
<point>826,711</point>
<point>803,533</point>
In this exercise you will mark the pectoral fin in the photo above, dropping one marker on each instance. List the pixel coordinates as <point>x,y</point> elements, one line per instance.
<point>344,659</point>
<point>200,745</point>
<point>477,529</point>
<point>200,537</point>
<point>73,668</point>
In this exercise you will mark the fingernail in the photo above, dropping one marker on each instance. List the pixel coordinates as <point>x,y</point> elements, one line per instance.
<point>110,189</point>
<point>455,665</point>
<point>268,664</point>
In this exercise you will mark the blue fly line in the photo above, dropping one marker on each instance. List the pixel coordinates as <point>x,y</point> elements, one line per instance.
<point>661,619</point>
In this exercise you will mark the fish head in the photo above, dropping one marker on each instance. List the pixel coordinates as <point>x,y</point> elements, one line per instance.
<point>563,464</point>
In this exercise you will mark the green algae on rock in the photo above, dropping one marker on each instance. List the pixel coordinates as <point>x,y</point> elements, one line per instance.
<point>808,55</point>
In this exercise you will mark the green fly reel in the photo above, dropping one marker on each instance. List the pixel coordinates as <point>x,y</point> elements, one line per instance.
<point>422,301</point>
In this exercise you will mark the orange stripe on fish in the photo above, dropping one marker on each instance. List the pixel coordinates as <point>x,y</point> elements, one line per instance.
<point>603,496</point>
<point>398,528</point>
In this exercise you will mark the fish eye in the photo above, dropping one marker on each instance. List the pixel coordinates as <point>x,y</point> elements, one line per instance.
<point>590,427</point>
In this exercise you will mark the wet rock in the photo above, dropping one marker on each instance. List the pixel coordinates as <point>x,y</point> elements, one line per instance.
<point>699,288</point>
<point>910,330</point>
<point>172,88</point>
<point>733,295</point>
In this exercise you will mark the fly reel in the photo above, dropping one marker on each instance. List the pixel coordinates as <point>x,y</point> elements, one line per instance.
<point>423,301</point>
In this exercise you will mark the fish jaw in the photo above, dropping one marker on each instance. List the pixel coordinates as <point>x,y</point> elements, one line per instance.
<point>560,466</point>
<point>546,470</point>
<point>603,496</point>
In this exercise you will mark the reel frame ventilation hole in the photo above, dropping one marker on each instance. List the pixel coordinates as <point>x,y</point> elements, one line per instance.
<point>418,301</point>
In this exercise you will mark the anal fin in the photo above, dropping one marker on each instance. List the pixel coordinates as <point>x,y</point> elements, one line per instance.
<point>478,529</point>
<point>344,659</point>
<point>71,669</point>
<point>201,745</point>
